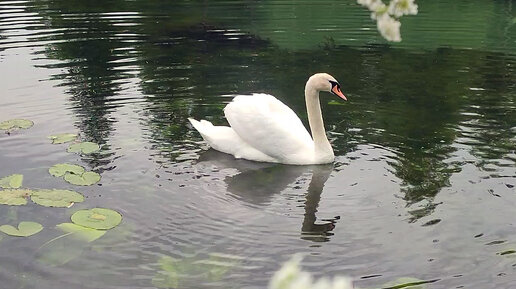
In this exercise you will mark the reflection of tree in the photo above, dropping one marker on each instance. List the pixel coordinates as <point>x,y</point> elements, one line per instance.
<point>492,115</point>
<point>85,52</point>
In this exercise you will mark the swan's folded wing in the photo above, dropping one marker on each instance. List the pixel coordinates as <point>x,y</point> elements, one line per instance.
<point>268,125</point>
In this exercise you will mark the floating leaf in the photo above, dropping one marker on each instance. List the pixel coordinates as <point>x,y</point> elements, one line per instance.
<point>14,197</point>
<point>62,138</point>
<point>74,174</point>
<point>81,233</point>
<point>25,229</point>
<point>507,252</point>
<point>97,218</point>
<point>60,170</point>
<point>11,182</point>
<point>84,179</point>
<point>56,198</point>
<point>84,147</point>
<point>13,124</point>
<point>407,283</point>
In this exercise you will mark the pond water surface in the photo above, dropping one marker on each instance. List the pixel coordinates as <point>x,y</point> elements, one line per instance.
<point>423,182</point>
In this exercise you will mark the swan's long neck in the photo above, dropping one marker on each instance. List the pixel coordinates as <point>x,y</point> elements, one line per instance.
<point>321,144</point>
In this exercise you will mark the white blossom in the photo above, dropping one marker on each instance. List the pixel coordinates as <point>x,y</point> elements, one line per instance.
<point>399,8</point>
<point>389,28</point>
<point>290,276</point>
<point>377,7</point>
<point>387,16</point>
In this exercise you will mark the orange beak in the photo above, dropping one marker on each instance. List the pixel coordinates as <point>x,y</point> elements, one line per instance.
<point>337,91</point>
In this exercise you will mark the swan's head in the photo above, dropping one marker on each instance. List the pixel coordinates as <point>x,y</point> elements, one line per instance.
<point>325,82</point>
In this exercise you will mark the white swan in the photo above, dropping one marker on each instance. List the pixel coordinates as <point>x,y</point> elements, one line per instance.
<point>266,130</point>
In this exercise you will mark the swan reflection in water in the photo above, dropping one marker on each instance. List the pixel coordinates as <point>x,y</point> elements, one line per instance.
<point>256,183</point>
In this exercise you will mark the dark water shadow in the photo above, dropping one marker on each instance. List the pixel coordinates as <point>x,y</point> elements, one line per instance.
<point>256,183</point>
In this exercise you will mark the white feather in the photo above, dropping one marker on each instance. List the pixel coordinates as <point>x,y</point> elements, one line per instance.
<point>264,129</point>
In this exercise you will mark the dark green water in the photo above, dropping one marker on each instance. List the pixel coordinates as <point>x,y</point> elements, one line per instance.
<point>422,186</point>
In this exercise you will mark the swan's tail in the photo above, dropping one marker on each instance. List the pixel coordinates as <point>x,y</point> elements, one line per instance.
<point>203,127</point>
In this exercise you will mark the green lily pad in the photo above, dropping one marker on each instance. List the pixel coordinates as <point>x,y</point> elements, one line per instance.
<point>62,138</point>
<point>74,174</point>
<point>85,179</point>
<point>56,198</point>
<point>14,124</point>
<point>60,170</point>
<point>14,197</point>
<point>25,229</point>
<point>11,182</point>
<point>84,148</point>
<point>81,233</point>
<point>97,218</point>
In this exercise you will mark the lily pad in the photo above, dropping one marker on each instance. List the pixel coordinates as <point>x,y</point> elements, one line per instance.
<point>14,197</point>
<point>84,148</point>
<point>97,218</point>
<point>81,233</point>
<point>25,229</point>
<point>62,138</point>
<point>84,179</point>
<point>56,198</point>
<point>74,174</point>
<point>11,182</point>
<point>14,124</point>
<point>60,170</point>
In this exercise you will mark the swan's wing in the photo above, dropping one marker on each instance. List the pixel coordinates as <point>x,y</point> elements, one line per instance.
<point>268,125</point>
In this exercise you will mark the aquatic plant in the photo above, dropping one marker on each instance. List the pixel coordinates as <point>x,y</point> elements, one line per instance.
<point>11,182</point>
<point>14,197</point>
<point>83,148</point>
<point>14,124</point>
<point>74,174</point>
<point>24,229</point>
<point>56,198</point>
<point>97,218</point>
<point>175,273</point>
<point>62,138</point>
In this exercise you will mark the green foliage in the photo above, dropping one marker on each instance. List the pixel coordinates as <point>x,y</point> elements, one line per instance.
<point>84,179</point>
<point>175,272</point>
<point>84,148</point>
<point>60,170</point>
<point>14,197</point>
<point>97,218</point>
<point>81,233</point>
<point>74,174</point>
<point>62,138</point>
<point>14,124</point>
<point>24,229</point>
<point>11,182</point>
<point>56,198</point>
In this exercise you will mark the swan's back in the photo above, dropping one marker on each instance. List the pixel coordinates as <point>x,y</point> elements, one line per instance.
<point>270,126</point>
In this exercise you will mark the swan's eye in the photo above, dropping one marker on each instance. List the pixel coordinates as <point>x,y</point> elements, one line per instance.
<point>334,85</point>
